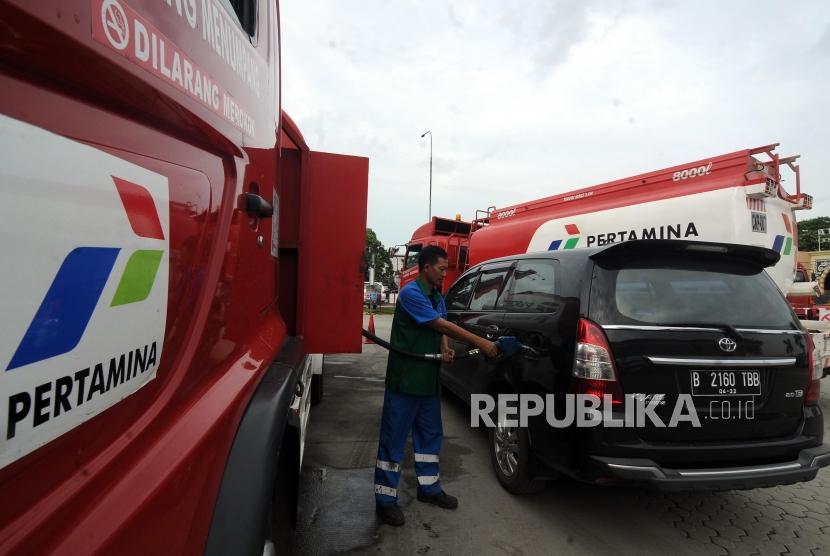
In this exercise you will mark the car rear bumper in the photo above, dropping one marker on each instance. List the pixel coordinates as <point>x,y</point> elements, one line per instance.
<point>802,469</point>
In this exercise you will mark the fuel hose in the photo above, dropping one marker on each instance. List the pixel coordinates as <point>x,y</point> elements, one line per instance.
<point>422,356</point>
<point>507,345</point>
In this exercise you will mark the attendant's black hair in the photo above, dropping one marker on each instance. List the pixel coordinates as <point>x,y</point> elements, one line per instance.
<point>430,255</point>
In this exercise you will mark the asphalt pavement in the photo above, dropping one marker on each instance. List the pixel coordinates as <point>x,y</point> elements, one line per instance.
<point>336,512</point>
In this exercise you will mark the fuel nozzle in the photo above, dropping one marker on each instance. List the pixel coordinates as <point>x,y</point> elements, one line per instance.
<point>510,345</point>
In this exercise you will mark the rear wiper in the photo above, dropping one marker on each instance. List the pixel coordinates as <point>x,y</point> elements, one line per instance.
<point>731,330</point>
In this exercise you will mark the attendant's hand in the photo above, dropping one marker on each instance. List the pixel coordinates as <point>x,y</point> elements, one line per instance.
<point>489,348</point>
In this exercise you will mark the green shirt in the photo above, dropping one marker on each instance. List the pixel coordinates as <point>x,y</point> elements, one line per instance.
<point>405,374</point>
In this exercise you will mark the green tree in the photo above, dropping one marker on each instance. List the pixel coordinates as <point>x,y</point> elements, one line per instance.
<point>808,233</point>
<point>383,264</point>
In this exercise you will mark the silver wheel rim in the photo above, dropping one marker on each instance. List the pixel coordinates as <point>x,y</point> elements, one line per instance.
<point>506,449</point>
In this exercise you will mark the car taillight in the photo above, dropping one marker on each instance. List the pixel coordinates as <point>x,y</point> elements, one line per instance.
<point>594,368</point>
<point>814,373</point>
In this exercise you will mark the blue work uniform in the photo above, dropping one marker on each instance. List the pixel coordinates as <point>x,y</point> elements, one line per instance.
<point>412,400</point>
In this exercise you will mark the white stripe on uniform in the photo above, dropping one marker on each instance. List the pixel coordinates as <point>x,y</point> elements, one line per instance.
<point>426,458</point>
<point>388,466</point>
<point>388,491</point>
<point>425,480</point>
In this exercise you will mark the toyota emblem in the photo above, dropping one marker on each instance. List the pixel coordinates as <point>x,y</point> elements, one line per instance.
<point>727,344</point>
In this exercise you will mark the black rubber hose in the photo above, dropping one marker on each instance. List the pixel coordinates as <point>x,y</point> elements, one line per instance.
<point>422,356</point>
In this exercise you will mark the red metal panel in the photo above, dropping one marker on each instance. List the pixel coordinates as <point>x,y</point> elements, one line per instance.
<point>333,238</point>
<point>289,189</point>
<point>288,288</point>
<point>726,170</point>
<point>142,477</point>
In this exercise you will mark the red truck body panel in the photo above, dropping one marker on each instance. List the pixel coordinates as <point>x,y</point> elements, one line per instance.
<point>328,195</point>
<point>142,476</point>
<point>336,193</point>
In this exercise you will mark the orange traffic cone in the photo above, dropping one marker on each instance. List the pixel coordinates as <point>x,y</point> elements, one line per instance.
<point>371,329</point>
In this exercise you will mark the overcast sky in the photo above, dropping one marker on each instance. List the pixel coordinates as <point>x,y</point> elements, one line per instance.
<point>526,99</point>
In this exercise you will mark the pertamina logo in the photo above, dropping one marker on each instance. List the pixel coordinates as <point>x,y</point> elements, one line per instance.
<point>85,303</point>
<point>784,244</point>
<point>572,230</point>
<point>665,231</point>
<point>70,302</point>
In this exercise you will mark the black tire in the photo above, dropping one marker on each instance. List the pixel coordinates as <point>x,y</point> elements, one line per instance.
<point>525,467</point>
<point>316,389</point>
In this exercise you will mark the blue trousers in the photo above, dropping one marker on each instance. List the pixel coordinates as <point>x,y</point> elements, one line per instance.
<point>402,413</point>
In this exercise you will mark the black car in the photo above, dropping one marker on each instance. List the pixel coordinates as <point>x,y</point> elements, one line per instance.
<point>654,321</point>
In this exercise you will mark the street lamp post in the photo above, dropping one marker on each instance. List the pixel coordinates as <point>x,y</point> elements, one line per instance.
<point>430,170</point>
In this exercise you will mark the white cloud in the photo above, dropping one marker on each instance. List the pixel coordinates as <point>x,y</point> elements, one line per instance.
<point>529,99</point>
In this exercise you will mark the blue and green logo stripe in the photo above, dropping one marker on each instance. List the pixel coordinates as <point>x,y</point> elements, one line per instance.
<point>570,243</point>
<point>69,303</point>
<point>784,244</point>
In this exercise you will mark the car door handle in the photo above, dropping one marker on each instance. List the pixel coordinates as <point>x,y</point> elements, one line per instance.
<point>492,332</point>
<point>257,206</point>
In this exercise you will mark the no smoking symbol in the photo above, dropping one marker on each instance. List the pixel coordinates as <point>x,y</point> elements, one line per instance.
<point>115,24</point>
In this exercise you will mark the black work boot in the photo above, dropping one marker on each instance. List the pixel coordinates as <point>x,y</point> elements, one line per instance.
<point>390,515</point>
<point>442,500</point>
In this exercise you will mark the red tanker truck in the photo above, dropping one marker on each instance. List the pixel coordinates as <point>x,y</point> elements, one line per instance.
<point>169,278</point>
<point>737,197</point>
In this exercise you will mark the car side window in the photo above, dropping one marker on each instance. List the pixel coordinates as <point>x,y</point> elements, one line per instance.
<point>531,289</point>
<point>487,290</point>
<point>459,295</point>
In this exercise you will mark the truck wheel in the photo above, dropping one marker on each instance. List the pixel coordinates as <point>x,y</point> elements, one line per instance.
<point>316,389</point>
<point>513,462</point>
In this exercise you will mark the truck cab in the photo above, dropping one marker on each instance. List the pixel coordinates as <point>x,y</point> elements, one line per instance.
<point>450,235</point>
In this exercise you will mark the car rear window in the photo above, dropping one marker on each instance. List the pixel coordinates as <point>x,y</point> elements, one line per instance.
<point>651,291</point>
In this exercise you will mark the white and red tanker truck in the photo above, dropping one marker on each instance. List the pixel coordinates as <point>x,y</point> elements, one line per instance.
<point>732,198</point>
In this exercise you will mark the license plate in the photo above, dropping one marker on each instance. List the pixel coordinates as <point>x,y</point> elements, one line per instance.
<point>726,383</point>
